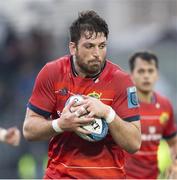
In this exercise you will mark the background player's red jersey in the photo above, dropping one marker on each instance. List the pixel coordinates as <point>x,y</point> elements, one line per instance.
<point>157,121</point>
<point>69,155</point>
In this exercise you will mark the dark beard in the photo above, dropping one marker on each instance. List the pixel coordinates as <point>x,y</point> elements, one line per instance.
<point>92,70</point>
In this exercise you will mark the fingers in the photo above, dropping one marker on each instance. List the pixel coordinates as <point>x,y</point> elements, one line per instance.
<point>83,120</point>
<point>91,114</point>
<point>69,106</point>
<point>71,120</point>
<point>18,137</point>
<point>85,97</point>
<point>74,106</point>
<point>80,121</point>
<point>84,101</point>
<point>10,132</point>
<point>77,113</point>
<point>13,136</point>
<point>81,111</point>
<point>86,106</point>
<point>78,103</point>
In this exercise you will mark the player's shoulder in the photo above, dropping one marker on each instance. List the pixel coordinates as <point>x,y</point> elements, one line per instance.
<point>162,99</point>
<point>117,71</point>
<point>55,68</point>
<point>60,62</point>
<point>59,66</point>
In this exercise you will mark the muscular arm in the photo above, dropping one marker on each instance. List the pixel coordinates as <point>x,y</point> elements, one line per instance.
<point>36,127</point>
<point>126,134</point>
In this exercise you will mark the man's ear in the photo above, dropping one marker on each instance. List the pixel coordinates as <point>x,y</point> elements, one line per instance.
<point>72,48</point>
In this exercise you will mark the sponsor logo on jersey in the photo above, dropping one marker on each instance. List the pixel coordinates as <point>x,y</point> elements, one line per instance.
<point>152,136</point>
<point>164,117</point>
<point>95,95</point>
<point>152,129</point>
<point>63,91</point>
<point>132,97</point>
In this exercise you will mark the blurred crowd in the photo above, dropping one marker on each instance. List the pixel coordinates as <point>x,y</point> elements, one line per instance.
<point>21,57</point>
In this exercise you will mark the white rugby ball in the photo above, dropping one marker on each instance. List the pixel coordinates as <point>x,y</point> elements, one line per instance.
<point>98,127</point>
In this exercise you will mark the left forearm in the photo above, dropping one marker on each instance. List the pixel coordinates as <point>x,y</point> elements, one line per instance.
<point>126,134</point>
<point>172,142</point>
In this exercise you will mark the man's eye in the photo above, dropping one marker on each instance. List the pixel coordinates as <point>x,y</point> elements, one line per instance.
<point>88,46</point>
<point>102,46</point>
<point>141,71</point>
<point>151,71</point>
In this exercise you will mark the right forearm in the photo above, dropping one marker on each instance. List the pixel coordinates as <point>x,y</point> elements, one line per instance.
<point>38,128</point>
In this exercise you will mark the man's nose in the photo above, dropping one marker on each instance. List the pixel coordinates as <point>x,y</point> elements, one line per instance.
<point>96,52</point>
<point>146,75</point>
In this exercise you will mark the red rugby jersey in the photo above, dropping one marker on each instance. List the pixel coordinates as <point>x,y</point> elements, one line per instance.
<point>69,155</point>
<point>157,121</point>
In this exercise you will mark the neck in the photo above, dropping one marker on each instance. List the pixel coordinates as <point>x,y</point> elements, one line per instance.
<point>145,96</point>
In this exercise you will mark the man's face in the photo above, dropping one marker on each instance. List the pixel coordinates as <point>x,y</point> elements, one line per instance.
<point>90,53</point>
<point>145,75</point>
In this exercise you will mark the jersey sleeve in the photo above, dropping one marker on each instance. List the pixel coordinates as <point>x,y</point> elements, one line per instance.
<point>42,100</point>
<point>126,102</point>
<point>170,129</point>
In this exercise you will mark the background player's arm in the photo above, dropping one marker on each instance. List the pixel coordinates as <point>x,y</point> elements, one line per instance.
<point>172,170</point>
<point>172,142</point>
<point>10,136</point>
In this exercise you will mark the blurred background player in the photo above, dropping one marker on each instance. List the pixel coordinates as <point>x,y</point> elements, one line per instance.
<point>10,136</point>
<point>157,118</point>
<point>86,71</point>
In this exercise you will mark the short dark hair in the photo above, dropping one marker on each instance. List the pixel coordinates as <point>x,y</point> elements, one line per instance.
<point>146,56</point>
<point>88,21</point>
